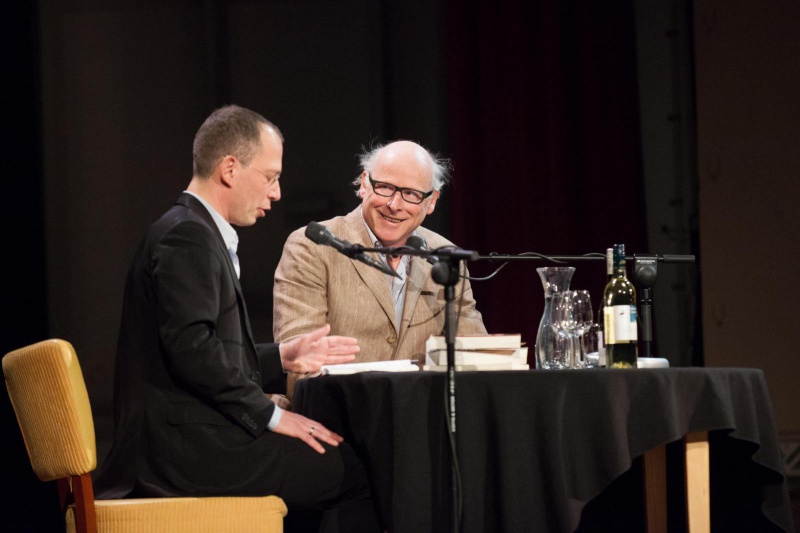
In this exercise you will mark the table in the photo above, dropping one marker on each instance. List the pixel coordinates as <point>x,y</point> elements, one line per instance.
<point>535,447</point>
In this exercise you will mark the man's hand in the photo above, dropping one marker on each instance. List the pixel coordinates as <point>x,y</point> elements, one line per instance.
<point>305,429</point>
<point>309,352</point>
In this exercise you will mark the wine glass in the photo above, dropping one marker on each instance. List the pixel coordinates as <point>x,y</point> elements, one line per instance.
<point>591,343</point>
<point>562,321</point>
<point>583,318</point>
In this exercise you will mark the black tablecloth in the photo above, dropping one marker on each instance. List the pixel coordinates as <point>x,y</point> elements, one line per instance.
<point>535,446</point>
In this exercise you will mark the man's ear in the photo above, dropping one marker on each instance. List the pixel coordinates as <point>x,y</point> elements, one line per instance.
<point>225,169</point>
<point>432,205</point>
<point>362,190</point>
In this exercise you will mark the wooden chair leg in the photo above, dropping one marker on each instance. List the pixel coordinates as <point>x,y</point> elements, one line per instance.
<point>698,491</point>
<point>655,489</point>
<point>85,516</point>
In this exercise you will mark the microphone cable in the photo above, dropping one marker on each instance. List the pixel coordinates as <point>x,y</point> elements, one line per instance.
<point>525,254</point>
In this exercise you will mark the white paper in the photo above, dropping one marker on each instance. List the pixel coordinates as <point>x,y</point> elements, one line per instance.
<point>400,365</point>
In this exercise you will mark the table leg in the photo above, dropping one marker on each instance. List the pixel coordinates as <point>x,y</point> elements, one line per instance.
<point>655,489</point>
<point>698,493</point>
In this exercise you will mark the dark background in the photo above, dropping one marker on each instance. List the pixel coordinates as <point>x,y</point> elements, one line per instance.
<point>668,125</point>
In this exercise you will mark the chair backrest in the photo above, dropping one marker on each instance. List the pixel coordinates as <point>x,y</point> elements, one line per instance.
<point>49,396</point>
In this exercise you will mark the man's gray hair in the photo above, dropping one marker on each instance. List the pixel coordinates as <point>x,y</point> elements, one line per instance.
<point>441,166</point>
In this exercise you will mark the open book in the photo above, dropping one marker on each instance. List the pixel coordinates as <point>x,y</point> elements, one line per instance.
<point>401,365</point>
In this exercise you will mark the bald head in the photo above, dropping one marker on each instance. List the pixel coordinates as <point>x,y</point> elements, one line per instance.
<point>406,154</point>
<point>399,187</point>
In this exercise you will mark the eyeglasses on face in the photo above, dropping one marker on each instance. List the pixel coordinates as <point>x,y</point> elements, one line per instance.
<point>411,196</point>
<point>270,180</point>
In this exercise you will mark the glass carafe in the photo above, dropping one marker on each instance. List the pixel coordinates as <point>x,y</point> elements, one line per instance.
<point>552,352</point>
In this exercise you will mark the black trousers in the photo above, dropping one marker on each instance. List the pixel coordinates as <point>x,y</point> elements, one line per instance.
<point>325,492</point>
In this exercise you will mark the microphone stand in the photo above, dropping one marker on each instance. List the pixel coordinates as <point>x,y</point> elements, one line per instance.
<point>645,275</point>
<point>445,272</point>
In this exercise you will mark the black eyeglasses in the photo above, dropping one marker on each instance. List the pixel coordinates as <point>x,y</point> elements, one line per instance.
<point>411,196</point>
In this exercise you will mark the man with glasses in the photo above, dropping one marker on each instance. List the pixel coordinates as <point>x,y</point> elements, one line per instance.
<point>190,410</point>
<point>391,317</point>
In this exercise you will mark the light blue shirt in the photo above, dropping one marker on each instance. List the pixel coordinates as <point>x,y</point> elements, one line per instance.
<point>231,240</point>
<point>397,286</point>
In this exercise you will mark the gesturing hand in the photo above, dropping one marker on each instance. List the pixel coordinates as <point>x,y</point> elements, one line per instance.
<point>309,352</point>
<point>307,430</point>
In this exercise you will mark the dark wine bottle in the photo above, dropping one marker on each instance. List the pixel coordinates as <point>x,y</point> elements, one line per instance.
<point>619,316</point>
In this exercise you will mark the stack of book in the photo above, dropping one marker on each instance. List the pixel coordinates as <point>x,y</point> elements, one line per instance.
<point>478,352</point>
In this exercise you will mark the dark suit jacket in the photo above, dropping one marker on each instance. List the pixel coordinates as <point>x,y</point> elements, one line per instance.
<point>189,405</point>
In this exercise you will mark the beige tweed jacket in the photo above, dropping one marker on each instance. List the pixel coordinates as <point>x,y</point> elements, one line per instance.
<point>315,285</point>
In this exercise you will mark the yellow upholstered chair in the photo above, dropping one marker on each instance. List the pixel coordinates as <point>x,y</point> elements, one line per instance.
<point>47,390</point>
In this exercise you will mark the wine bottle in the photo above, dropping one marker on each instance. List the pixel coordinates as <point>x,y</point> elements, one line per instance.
<point>601,346</point>
<point>619,315</point>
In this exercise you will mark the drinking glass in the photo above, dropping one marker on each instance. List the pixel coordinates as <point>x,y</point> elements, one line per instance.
<point>591,343</point>
<point>583,317</point>
<point>562,321</point>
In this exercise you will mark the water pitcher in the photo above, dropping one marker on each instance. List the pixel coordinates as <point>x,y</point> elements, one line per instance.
<point>552,351</point>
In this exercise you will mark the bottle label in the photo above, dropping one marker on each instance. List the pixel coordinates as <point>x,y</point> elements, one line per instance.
<point>620,324</point>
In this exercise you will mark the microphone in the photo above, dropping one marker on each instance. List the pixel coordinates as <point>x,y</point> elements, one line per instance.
<point>418,243</point>
<point>319,234</point>
<point>444,253</point>
<point>322,235</point>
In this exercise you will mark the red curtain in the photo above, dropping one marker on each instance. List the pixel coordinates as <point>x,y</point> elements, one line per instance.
<point>544,138</point>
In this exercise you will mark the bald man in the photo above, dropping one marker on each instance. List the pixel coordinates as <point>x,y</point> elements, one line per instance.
<point>391,317</point>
